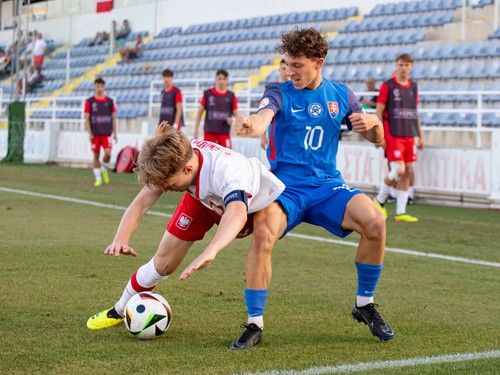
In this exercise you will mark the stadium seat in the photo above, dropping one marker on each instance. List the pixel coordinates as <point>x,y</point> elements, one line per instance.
<point>490,120</point>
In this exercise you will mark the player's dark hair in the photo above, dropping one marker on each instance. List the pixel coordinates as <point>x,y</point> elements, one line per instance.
<point>167,73</point>
<point>223,72</point>
<point>304,42</point>
<point>282,61</point>
<point>163,154</point>
<point>406,57</point>
<point>99,80</point>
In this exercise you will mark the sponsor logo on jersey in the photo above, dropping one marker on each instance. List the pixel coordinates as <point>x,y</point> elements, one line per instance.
<point>295,110</point>
<point>397,94</point>
<point>183,222</point>
<point>333,108</point>
<point>264,103</point>
<point>315,109</point>
<point>211,101</point>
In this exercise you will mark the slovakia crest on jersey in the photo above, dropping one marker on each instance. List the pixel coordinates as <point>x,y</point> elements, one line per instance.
<point>333,108</point>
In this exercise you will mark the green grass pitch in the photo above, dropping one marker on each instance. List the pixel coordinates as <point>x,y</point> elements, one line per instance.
<point>53,276</point>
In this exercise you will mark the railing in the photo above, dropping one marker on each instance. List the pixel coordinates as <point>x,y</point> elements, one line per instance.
<point>191,97</point>
<point>478,111</point>
<point>248,104</point>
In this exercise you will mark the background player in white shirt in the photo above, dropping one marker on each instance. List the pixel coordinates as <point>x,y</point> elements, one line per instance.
<point>222,187</point>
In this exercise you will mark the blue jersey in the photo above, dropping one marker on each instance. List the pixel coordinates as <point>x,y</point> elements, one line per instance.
<point>304,136</point>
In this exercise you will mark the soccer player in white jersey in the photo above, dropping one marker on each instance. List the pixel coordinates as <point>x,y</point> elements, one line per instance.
<point>221,187</point>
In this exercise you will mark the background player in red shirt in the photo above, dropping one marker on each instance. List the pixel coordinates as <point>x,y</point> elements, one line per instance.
<point>171,101</point>
<point>221,106</point>
<point>100,122</point>
<point>397,108</point>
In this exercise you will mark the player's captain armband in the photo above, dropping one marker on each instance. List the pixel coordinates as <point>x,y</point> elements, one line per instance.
<point>236,195</point>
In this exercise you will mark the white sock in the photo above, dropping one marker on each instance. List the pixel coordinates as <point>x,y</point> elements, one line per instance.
<point>97,173</point>
<point>106,166</point>
<point>401,201</point>
<point>257,320</point>
<point>393,192</point>
<point>383,193</point>
<point>145,279</point>
<point>411,192</point>
<point>363,301</point>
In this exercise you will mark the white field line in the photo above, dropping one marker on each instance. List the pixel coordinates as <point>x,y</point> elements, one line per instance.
<point>367,366</point>
<point>400,251</point>
<point>297,235</point>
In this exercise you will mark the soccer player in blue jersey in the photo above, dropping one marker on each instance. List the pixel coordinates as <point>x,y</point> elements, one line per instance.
<point>305,114</point>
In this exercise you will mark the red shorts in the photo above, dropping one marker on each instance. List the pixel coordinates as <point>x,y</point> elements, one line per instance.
<point>191,220</point>
<point>221,139</point>
<point>38,60</point>
<point>401,149</point>
<point>101,140</point>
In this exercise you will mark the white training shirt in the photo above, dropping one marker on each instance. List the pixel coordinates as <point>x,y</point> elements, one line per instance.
<point>223,171</point>
<point>39,48</point>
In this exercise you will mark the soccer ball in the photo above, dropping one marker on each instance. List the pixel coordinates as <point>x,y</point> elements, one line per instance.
<point>147,315</point>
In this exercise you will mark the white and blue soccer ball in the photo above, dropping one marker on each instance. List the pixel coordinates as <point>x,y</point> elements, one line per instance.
<point>147,315</point>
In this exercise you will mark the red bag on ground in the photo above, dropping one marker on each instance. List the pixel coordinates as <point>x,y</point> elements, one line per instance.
<point>126,159</point>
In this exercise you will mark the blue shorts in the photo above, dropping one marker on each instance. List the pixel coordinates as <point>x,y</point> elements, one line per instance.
<point>321,202</point>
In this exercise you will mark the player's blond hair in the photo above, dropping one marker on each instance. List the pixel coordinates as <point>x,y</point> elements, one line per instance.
<point>163,154</point>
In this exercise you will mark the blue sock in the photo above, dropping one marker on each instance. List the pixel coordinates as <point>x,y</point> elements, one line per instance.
<point>256,301</point>
<point>368,276</point>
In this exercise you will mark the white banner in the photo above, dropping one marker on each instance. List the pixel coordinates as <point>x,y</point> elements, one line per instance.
<point>452,171</point>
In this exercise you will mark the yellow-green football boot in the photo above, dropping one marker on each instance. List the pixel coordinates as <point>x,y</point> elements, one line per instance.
<point>104,319</point>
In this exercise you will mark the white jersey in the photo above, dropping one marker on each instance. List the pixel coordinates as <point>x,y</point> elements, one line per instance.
<point>223,171</point>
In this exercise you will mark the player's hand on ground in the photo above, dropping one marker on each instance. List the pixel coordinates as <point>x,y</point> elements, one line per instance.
<point>202,261</point>
<point>362,122</point>
<point>91,137</point>
<point>242,126</point>
<point>118,247</point>
<point>115,138</point>
<point>195,134</point>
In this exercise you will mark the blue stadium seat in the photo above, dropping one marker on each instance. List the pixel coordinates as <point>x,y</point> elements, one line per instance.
<point>495,35</point>
<point>428,98</point>
<point>377,10</point>
<point>494,86</point>
<point>482,3</point>
<point>491,49</point>
<point>490,120</point>
<point>477,70</point>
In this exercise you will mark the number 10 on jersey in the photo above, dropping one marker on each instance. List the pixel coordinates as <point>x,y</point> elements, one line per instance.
<point>314,138</point>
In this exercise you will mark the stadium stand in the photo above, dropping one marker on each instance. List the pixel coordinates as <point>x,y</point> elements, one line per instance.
<point>360,47</point>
